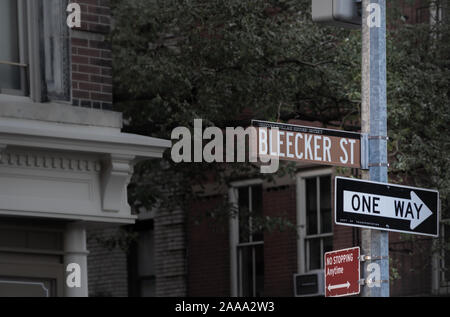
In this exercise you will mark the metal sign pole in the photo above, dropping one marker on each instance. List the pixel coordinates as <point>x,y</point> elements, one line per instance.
<point>375,243</point>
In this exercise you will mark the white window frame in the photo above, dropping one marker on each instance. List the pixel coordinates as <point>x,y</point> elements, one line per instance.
<point>302,246</point>
<point>22,63</point>
<point>438,11</point>
<point>29,48</point>
<point>233,199</point>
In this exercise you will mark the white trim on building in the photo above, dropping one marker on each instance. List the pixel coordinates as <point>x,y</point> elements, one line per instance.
<point>62,170</point>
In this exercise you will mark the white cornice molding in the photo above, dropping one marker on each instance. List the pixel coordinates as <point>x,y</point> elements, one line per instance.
<point>48,161</point>
<point>44,135</point>
<point>118,219</point>
<point>69,171</point>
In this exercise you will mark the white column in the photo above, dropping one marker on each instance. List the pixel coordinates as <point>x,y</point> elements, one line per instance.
<point>75,261</point>
<point>301,223</point>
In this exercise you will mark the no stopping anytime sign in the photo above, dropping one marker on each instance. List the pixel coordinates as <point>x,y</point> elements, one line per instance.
<point>342,272</point>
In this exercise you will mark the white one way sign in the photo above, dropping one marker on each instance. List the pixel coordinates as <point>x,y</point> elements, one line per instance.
<point>412,209</point>
<point>386,206</point>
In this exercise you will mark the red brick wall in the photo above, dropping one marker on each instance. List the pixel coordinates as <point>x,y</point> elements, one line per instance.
<point>107,266</point>
<point>343,237</point>
<point>96,15</point>
<point>91,56</point>
<point>418,12</point>
<point>410,260</point>
<point>280,247</point>
<point>208,247</point>
<point>208,251</point>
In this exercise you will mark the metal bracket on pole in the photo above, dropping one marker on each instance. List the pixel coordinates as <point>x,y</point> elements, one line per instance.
<point>364,258</point>
<point>370,282</point>
<point>378,137</point>
<point>365,138</point>
<point>364,151</point>
<point>379,165</point>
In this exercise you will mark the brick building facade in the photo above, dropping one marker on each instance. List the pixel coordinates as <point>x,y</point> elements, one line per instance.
<point>64,161</point>
<point>91,57</point>
<point>107,264</point>
<point>208,248</point>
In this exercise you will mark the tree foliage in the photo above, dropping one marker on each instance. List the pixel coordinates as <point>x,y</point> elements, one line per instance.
<point>419,106</point>
<point>177,60</point>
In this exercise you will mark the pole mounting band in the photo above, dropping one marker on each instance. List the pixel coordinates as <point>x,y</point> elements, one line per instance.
<point>364,151</point>
<point>378,137</point>
<point>363,258</point>
<point>379,165</point>
<point>370,282</point>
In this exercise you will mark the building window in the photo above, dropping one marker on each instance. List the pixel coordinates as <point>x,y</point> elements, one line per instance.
<point>13,50</point>
<point>247,240</point>
<point>315,217</point>
<point>141,262</point>
<point>34,54</point>
<point>251,242</point>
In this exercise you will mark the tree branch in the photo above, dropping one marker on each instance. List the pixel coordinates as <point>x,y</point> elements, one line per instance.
<point>300,63</point>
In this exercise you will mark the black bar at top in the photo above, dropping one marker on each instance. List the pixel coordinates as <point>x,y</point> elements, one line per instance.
<point>305,129</point>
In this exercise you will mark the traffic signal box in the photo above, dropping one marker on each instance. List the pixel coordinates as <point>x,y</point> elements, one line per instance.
<point>343,13</point>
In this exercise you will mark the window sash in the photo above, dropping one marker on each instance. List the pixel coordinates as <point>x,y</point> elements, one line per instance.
<point>241,269</point>
<point>235,245</point>
<point>30,17</point>
<point>308,241</point>
<point>318,215</point>
<point>22,63</point>
<point>13,64</point>
<point>319,223</point>
<point>248,244</point>
<point>304,239</point>
<point>248,235</point>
